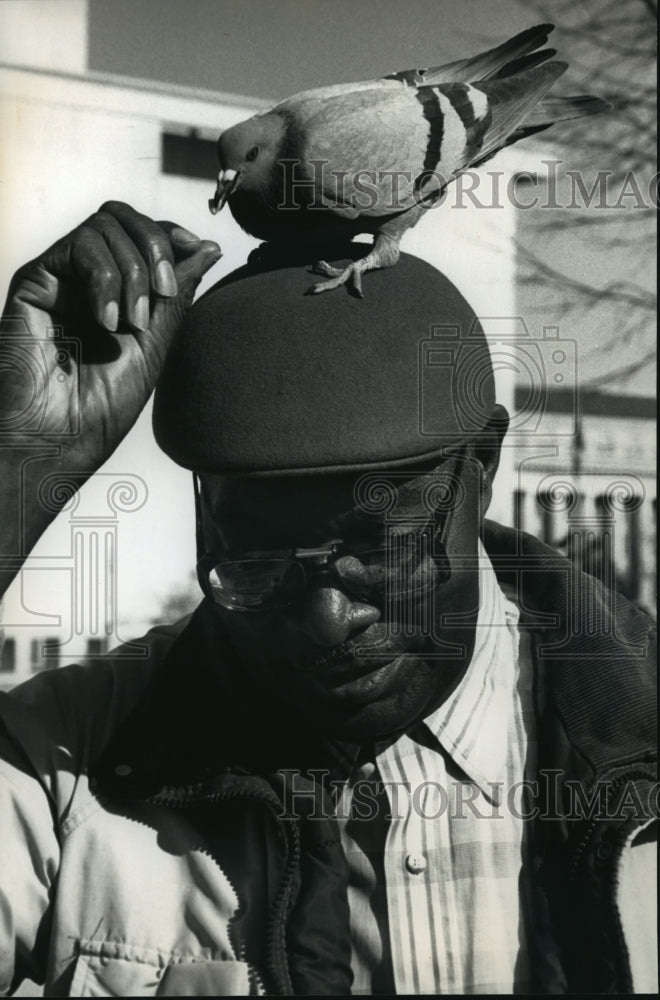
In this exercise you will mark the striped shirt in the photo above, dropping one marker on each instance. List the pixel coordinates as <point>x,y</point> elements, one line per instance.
<point>438,878</point>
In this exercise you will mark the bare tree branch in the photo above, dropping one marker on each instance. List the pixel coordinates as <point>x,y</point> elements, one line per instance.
<point>610,50</point>
<point>624,292</point>
<point>620,374</point>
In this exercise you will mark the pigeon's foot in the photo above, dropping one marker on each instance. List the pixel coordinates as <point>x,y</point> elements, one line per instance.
<point>322,267</point>
<point>385,253</point>
<point>338,276</point>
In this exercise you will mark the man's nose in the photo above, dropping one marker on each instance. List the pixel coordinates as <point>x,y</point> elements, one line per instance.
<point>330,616</point>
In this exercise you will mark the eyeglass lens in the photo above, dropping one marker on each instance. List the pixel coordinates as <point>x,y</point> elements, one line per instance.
<point>409,566</point>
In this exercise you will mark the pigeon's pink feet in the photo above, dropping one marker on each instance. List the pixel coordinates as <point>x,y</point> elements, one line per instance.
<point>385,253</point>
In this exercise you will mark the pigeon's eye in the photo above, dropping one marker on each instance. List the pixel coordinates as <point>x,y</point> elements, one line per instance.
<point>252,154</point>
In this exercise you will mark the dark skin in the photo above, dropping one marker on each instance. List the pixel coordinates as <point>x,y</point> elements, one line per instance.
<point>310,658</point>
<point>120,284</point>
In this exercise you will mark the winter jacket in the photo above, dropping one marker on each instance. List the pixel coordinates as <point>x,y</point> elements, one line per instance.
<point>144,851</point>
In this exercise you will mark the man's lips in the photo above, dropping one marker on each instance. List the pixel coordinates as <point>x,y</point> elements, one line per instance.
<point>375,682</point>
<point>347,674</point>
<point>351,660</point>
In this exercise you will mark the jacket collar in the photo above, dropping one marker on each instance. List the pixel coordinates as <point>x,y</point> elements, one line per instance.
<point>594,655</point>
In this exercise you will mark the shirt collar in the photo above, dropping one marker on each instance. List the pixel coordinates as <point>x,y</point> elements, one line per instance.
<point>471,725</point>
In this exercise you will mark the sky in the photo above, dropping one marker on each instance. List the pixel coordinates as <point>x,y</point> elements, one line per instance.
<point>274,48</point>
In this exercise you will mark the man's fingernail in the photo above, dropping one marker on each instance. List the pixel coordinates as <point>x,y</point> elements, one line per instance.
<point>165,278</point>
<point>141,313</point>
<point>182,235</point>
<point>111,316</point>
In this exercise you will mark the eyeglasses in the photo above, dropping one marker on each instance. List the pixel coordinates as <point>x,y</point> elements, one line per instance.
<point>408,567</point>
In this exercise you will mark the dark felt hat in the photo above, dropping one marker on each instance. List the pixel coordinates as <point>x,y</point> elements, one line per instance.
<point>264,379</point>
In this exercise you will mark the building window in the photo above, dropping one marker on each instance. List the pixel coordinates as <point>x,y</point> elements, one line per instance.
<point>8,657</point>
<point>44,654</point>
<point>189,155</point>
<point>97,647</point>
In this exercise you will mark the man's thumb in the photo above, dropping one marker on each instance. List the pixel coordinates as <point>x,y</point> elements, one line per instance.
<point>191,270</point>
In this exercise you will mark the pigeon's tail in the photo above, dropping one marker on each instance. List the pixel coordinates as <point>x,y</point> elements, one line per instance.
<point>511,103</point>
<point>546,113</point>
<point>562,109</point>
<point>520,53</point>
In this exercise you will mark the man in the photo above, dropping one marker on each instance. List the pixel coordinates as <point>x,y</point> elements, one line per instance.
<point>368,761</point>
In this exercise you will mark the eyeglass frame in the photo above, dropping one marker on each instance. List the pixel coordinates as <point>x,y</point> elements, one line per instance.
<point>328,549</point>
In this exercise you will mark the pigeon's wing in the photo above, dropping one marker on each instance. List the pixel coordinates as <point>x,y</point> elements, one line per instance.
<point>516,55</point>
<point>510,103</point>
<point>378,152</point>
<point>468,124</point>
<point>368,149</point>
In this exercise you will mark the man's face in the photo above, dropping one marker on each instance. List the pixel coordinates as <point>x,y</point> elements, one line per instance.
<point>367,647</point>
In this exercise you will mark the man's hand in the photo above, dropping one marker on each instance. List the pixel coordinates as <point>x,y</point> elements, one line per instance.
<point>120,284</point>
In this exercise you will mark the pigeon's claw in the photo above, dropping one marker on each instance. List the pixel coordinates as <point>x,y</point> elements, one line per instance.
<point>384,253</point>
<point>322,267</point>
<point>339,277</point>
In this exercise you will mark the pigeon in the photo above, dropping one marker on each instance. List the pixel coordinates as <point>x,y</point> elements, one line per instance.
<point>371,157</point>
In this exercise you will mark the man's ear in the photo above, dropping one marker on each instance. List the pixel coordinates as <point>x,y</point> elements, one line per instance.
<point>487,451</point>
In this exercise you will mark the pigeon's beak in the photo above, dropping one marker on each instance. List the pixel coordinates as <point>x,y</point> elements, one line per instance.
<point>227,181</point>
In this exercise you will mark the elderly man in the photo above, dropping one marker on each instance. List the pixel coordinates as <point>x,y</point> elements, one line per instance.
<point>397,748</point>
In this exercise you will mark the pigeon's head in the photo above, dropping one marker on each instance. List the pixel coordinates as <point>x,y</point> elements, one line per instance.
<point>248,153</point>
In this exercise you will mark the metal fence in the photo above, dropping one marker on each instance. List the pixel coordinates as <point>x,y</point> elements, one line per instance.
<point>609,532</point>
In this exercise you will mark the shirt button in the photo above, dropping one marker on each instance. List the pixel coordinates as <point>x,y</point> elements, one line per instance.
<point>416,864</point>
<point>123,770</point>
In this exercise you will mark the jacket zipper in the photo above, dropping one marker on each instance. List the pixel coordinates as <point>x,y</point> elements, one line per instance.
<point>276,960</point>
<point>582,846</point>
<point>579,853</point>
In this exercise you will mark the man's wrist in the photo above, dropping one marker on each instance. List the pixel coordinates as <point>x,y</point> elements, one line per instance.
<point>30,499</point>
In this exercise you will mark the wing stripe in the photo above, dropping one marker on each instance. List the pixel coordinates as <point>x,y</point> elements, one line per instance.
<point>455,134</point>
<point>432,111</point>
<point>458,95</point>
<point>479,102</point>
<point>473,108</point>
